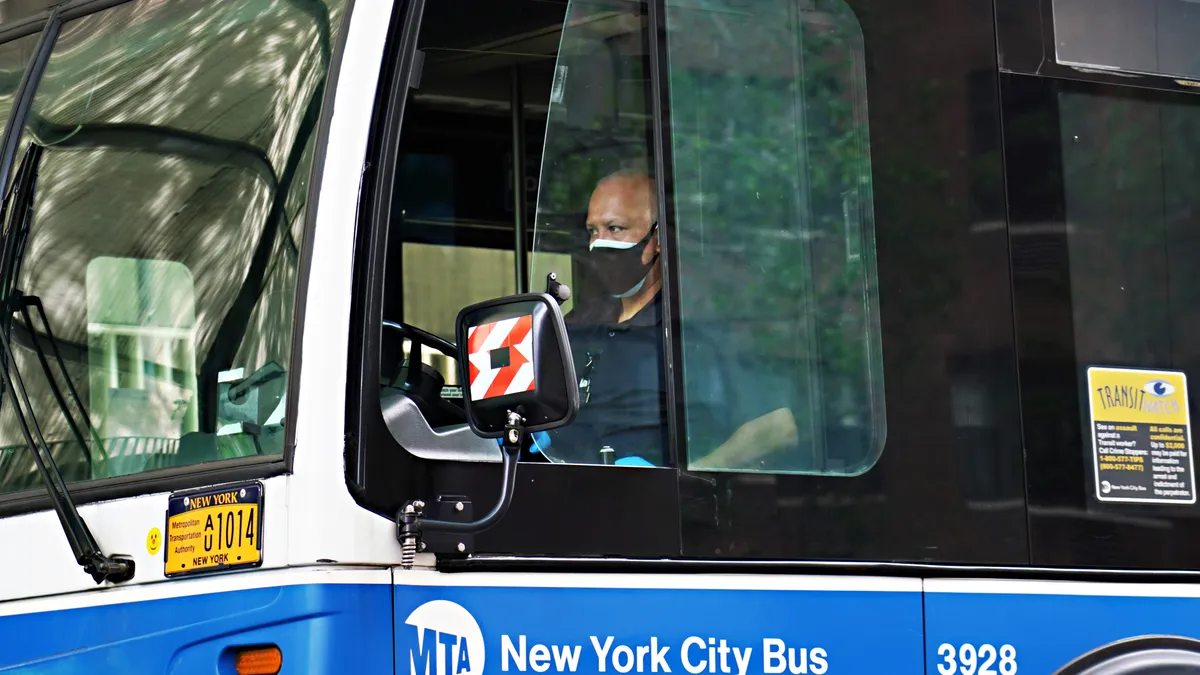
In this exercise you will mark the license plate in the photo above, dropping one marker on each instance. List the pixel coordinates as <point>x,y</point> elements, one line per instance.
<point>214,529</point>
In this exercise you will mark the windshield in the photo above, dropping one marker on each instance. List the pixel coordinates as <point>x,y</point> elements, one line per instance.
<point>165,229</point>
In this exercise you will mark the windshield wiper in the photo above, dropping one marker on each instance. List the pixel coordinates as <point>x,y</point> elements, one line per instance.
<point>18,206</point>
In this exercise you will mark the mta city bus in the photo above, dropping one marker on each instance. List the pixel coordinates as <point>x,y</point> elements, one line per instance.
<point>469,337</point>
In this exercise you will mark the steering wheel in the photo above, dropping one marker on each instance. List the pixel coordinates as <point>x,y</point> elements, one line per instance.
<point>422,382</point>
<point>420,337</point>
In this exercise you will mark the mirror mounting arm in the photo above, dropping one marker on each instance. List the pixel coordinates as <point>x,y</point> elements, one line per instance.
<point>411,522</point>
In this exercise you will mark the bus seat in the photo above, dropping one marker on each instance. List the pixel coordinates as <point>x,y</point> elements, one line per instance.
<point>196,447</point>
<point>410,429</point>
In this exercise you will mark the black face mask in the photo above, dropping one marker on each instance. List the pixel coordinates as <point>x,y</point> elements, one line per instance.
<point>619,264</point>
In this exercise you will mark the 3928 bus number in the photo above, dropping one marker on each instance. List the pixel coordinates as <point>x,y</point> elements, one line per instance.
<point>228,530</point>
<point>968,659</point>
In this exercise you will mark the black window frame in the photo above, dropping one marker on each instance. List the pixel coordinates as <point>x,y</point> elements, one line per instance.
<point>48,24</point>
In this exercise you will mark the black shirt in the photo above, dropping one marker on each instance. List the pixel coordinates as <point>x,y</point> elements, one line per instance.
<point>621,393</point>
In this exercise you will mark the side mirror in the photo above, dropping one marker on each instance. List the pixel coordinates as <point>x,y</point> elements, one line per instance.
<point>518,375</point>
<point>515,357</point>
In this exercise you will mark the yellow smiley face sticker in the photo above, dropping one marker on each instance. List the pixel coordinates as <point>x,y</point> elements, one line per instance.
<point>153,541</point>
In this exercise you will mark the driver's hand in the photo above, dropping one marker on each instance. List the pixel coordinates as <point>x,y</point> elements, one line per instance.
<point>753,441</point>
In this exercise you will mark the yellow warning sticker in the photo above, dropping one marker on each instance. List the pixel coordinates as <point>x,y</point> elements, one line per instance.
<point>1141,436</point>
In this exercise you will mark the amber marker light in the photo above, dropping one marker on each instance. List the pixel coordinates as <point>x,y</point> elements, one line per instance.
<point>258,661</point>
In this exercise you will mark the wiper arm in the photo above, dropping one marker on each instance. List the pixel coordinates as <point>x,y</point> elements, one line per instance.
<point>84,546</point>
<point>87,551</point>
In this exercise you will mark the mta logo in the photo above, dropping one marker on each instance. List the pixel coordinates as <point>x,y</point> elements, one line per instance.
<point>1158,388</point>
<point>445,640</point>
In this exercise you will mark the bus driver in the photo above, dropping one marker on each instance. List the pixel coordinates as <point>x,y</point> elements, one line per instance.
<point>617,342</point>
<point>618,350</point>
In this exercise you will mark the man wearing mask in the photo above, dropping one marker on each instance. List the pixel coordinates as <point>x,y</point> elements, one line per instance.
<point>623,241</point>
<point>617,342</point>
<point>618,349</point>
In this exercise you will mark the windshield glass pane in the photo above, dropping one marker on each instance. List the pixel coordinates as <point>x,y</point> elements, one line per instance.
<point>12,11</point>
<point>14,57</point>
<point>163,243</point>
<point>596,229</point>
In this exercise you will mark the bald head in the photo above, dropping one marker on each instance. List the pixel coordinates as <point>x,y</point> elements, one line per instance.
<point>623,241</point>
<point>622,208</point>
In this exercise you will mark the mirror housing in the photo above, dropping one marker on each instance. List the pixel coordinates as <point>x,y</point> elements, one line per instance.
<point>514,356</point>
<point>516,362</point>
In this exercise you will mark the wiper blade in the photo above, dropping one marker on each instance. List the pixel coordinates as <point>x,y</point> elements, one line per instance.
<point>18,301</point>
<point>19,204</point>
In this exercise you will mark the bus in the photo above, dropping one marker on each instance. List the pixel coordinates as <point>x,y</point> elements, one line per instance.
<point>482,337</point>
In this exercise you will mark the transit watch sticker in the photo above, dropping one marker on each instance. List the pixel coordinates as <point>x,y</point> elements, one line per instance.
<point>1141,436</point>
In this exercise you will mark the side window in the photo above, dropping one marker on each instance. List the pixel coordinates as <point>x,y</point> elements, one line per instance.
<point>466,174</point>
<point>172,145</point>
<point>782,362</point>
<point>772,195</point>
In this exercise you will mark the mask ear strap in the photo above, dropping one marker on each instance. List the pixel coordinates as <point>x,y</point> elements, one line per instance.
<point>641,283</point>
<point>653,229</point>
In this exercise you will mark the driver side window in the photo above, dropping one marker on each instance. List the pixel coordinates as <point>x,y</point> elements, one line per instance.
<point>527,150</point>
<point>467,173</point>
<point>453,234</point>
<point>491,196</point>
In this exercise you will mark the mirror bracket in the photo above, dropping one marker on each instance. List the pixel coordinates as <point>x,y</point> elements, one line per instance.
<point>411,522</point>
<point>556,289</point>
<point>458,508</point>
